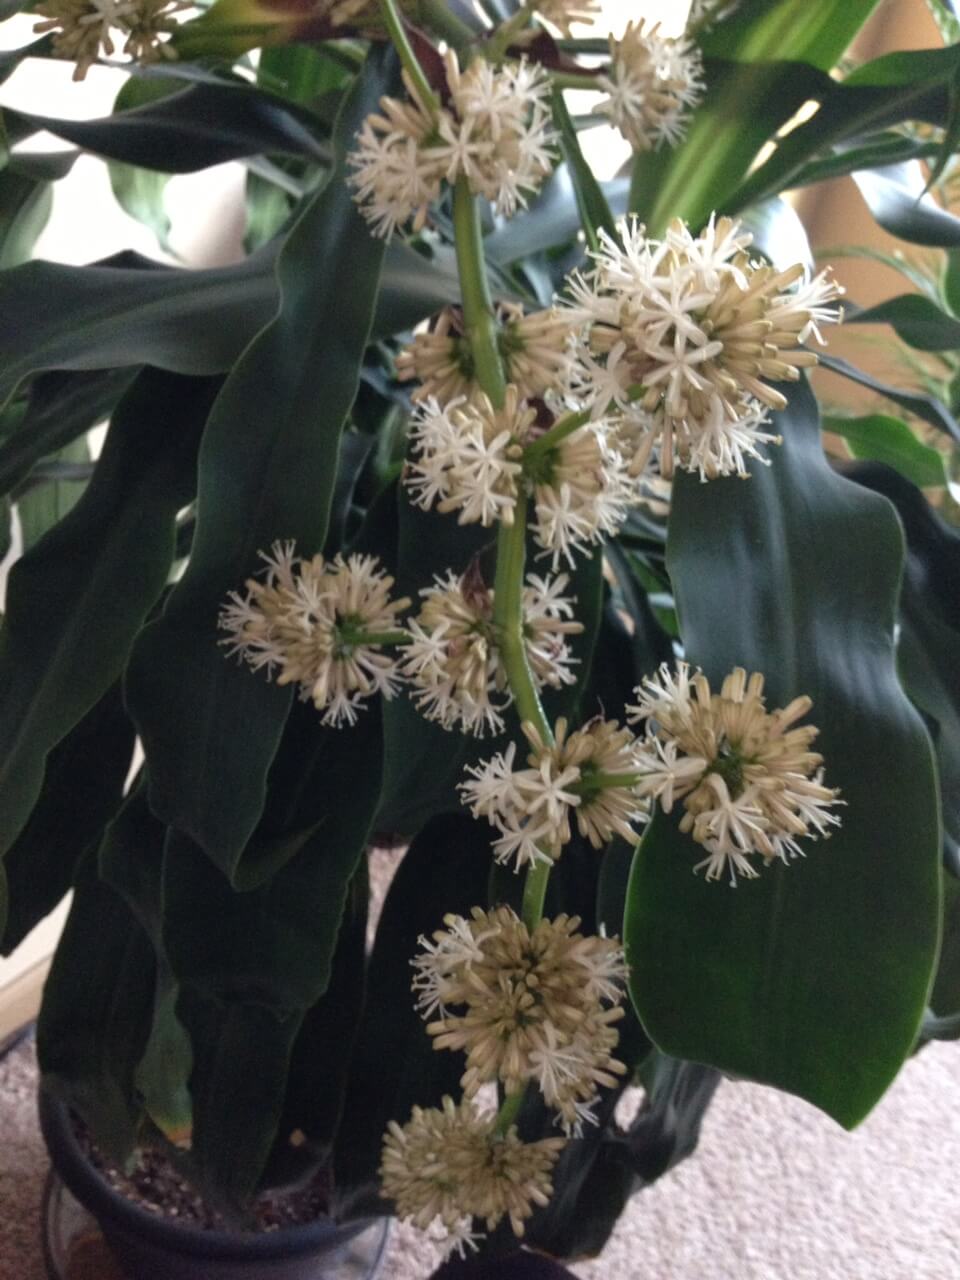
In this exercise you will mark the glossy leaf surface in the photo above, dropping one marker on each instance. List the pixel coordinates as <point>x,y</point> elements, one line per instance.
<point>111,316</point>
<point>267,471</point>
<point>77,599</point>
<point>890,440</point>
<point>813,977</point>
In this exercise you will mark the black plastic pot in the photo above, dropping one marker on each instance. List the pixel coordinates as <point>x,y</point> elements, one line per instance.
<point>149,1247</point>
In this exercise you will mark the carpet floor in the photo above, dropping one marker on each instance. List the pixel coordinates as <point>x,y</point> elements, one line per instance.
<point>775,1192</point>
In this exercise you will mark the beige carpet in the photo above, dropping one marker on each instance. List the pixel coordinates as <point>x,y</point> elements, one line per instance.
<point>775,1192</point>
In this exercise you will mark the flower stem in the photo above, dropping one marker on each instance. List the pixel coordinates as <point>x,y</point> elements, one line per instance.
<point>438,16</point>
<point>562,428</point>
<point>411,64</point>
<point>503,37</point>
<point>509,1110</point>
<point>479,318</point>
<point>508,616</point>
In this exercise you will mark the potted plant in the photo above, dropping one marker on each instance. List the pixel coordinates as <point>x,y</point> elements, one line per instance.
<point>481,513</point>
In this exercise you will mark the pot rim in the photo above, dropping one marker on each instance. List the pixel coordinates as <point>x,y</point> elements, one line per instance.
<point>108,1206</point>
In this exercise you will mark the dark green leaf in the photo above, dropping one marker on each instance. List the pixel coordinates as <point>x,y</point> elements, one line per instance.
<point>193,128</point>
<point>267,472</point>
<point>76,600</point>
<point>140,192</point>
<point>890,440</point>
<point>253,962</point>
<point>595,213</point>
<point>875,152</point>
<point>319,1064</point>
<point>929,640</point>
<point>81,790</point>
<point>917,85</point>
<point>46,503</point>
<point>112,316</point>
<point>814,977</point>
<point>895,196</point>
<point>61,406</point>
<point>25,205</point>
<point>924,406</point>
<point>96,1013</point>
<point>918,321</point>
<point>444,870</point>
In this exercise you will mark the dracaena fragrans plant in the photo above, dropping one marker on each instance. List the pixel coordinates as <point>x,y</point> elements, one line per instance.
<point>482,511</point>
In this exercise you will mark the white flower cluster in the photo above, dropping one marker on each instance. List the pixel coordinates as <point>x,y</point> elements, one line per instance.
<point>538,1005</point>
<point>454,659</point>
<point>476,460</point>
<point>592,773</point>
<point>81,29</point>
<point>319,624</point>
<point>493,130</point>
<point>749,782</point>
<point>449,1164</point>
<point>701,329</point>
<point>653,84</point>
<point>563,14</point>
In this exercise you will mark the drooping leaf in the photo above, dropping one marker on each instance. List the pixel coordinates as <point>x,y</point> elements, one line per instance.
<point>915,85</point>
<point>444,870</point>
<point>196,127</point>
<point>929,640</point>
<point>267,472</point>
<point>918,321</point>
<point>885,439</point>
<point>43,504</point>
<point>25,205</point>
<point>96,1013</point>
<point>895,196</point>
<point>249,965</point>
<point>140,192</point>
<point>61,406</point>
<point>189,321</point>
<point>814,977</point>
<point>878,151</point>
<point>927,407</point>
<point>595,213</point>
<point>81,790</point>
<point>77,599</point>
<point>320,1061</point>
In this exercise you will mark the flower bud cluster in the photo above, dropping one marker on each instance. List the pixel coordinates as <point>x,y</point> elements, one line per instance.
<point>652,86</point>
<point>749,783</point>
<point>318,624</point>
<point>535,1005</point>
<point>704,329</point>
<point>536,350</point>
<point>82,29</point>
<point>591,774</point>
<point>477,460</point>
<point>493,129</point>
<point>449,1164</point>
<point>455,662</point>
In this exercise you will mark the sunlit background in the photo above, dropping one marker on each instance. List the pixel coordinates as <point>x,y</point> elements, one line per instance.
<point>206,209</point>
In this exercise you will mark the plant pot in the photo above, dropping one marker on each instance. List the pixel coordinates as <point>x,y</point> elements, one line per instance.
<point>79,1202</point>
